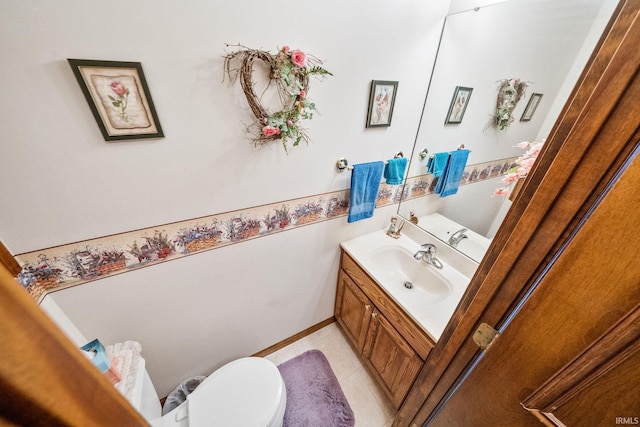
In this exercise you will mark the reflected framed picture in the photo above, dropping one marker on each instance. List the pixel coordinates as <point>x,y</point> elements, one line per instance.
<point>459,102</point>
<point>533,103</point>
<point>381,101</point>
<point>119,98</point>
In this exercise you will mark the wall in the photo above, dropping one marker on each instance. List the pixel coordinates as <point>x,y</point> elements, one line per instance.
<point>590,41</point>
<point>63,183</point>
<point>458,6</point>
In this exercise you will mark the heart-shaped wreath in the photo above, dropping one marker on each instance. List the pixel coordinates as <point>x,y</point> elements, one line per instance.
<point>291,70</point>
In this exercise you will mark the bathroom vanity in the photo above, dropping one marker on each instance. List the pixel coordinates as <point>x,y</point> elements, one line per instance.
<point>392,316</point>
<point>394,354</point>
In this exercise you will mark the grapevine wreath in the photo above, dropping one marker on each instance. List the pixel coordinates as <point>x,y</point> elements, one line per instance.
<point>290,69</point>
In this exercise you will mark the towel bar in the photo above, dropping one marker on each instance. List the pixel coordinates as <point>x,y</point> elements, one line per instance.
<point>343,164</point>
<point>460,147</point>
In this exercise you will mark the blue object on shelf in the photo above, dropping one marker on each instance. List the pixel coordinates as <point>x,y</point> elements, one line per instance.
<point>101,359</point>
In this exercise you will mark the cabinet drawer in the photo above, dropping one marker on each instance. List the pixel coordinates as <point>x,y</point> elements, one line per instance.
<point>405,325</point>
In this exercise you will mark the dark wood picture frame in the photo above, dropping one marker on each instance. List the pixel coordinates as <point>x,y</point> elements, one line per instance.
<point>459,102</point>
<point>533,103</point>
<point>119,98</point>
<point>382,99</point>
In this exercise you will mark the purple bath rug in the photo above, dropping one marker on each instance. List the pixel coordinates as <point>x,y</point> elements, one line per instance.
<point>314,396</point>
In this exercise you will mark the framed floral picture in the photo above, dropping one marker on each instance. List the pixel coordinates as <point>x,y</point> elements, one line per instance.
<point>381,101</point>
<point>533,103</point>
<point>459,102</point>
<point>119,98</point>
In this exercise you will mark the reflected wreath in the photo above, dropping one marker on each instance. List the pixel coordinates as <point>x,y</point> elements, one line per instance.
<point>510,91</point>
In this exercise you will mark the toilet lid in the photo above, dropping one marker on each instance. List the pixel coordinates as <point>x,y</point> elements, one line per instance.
<point>246,392</point>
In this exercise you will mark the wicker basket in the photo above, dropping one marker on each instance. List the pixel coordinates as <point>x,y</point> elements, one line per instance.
<point>305,219</point>
<point>250,232</point>
<point>110,267</point>
<point>38,286</point>
<point>200,244</point>
<point>34,290</point>
<point>48,283</point>
<point>337,211</point>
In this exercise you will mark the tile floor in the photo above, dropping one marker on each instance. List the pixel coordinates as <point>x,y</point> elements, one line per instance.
<point>370,405</point>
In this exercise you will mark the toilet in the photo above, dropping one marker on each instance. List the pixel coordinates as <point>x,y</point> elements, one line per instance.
<point>246,392</point>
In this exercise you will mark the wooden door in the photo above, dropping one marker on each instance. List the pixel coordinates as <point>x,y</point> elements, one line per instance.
<point>353,310</point>
<point>393,360</point>
<point>596,131</point>
<point>577,303</point>
<point>44,380</point>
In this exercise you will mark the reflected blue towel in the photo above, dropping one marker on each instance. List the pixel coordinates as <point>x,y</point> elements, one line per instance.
<point>394,171</point>
<point>365,181</point>
<point>437,164</point>
<point>449,182</point>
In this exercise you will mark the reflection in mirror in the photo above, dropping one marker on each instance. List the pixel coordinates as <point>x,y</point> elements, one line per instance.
<point>545,43</point>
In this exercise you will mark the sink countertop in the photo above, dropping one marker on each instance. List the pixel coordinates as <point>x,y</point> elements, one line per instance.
<point>431,315</point>
<point>474,246</point>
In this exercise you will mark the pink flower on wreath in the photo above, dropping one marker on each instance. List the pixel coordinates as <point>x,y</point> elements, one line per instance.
<point>270,131</point>
<point>302,94</point>
<point>118,88</point>
<point>299,58</point>
<point>289,123</point>
<point>285,49</point>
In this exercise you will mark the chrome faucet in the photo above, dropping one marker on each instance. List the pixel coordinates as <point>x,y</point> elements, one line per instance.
<point>457,236</point>
<point>428,255</point>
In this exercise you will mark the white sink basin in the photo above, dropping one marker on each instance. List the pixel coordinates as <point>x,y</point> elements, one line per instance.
<point>396,266</point>
<point>434,294</point>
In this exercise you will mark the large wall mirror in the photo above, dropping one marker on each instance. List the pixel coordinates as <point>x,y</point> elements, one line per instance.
<point>545,43</point>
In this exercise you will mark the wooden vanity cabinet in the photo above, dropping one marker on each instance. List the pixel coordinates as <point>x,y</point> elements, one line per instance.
<point>353,310</point>
<point>392,345</point>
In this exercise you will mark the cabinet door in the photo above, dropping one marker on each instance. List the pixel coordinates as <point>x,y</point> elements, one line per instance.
<point>392,359</point>
<point>353,310</point>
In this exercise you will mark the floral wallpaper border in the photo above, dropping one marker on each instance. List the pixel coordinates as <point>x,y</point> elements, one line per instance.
<point>423,185</point>
<point>64,266</point>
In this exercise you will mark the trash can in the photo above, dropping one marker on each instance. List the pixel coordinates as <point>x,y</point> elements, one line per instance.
<point>180,393</point>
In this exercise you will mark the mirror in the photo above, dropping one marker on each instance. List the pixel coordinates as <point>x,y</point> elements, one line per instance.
<point>545,43</point>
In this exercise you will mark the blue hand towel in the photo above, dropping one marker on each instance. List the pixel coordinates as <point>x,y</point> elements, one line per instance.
<point>394,171</point>
<point>365,181</point>
<point>450,181</point>
<point>437,164</point>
